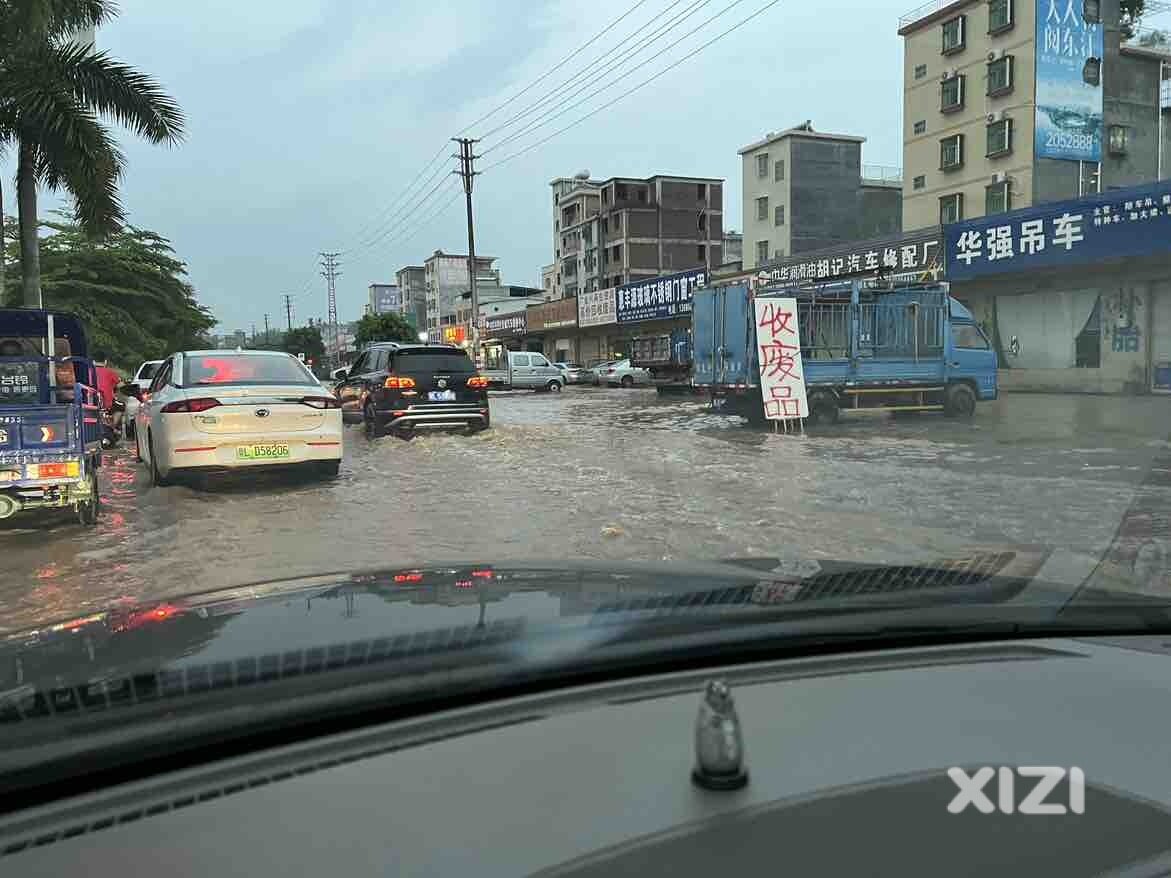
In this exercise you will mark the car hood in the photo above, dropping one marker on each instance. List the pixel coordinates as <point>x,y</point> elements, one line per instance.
<point>270,619</point>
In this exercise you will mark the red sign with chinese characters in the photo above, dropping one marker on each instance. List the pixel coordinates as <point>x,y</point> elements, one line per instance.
<point>778,343</point>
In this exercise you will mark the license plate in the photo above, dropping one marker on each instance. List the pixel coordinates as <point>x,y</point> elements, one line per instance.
<point>274,451</point>
<point>441,395</point>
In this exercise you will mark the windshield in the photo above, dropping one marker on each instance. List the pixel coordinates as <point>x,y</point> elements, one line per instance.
<point>880,285</point>
<point>243,369</point>
<point>432,361</point>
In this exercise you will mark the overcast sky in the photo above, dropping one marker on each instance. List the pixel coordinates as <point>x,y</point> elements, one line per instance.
<point>307,119</point>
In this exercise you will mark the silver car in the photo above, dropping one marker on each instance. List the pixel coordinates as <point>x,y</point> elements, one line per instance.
<point>622,374</point>
<point>596,374</point>
<point>572,372</point>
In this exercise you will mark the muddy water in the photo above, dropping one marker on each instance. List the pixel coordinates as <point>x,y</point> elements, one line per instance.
<point>611,475</point>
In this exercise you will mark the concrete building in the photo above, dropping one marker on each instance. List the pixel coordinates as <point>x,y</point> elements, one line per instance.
<point>609,232</point>
<point>804,190</point>
<point>549,281</point>
<point>733,247</point>
<point>412,284</point>
<point>970,107</point>
<point>445,278</point>
<point>576,204</point>
<point>492,299</point>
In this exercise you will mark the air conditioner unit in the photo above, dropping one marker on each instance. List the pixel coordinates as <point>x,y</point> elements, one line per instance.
<point>991,56</point>
<point>995,54</point>
<point>996,116</point>
<point>999,177</point>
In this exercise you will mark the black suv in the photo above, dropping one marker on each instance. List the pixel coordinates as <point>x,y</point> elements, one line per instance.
<point>402,389</point>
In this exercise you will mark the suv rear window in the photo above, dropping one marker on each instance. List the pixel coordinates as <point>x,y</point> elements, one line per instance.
<point>432,361</point>
<point>244,369</point>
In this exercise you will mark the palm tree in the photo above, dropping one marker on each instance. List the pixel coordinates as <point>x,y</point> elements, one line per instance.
<point>54,94</point>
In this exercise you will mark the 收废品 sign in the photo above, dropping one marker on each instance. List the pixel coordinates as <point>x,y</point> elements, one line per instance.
<point>1123,222</point>
<point>658,298</point>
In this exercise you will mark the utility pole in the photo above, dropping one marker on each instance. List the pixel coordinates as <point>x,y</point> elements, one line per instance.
<point>329,265</point>
<point>289,310</point>
<point>467,170</point>
<point>267,337</point>
<point>254,333</point>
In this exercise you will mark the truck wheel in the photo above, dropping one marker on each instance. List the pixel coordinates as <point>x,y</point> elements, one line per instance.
<point>87,512</point>
<point>960,402</point>
<point>823,409</point>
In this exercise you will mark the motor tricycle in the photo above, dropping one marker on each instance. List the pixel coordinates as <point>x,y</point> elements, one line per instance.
<point>50,416</point>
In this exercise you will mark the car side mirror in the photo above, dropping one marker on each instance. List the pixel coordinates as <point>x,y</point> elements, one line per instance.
<point>341,374</point>
<point>131,390</point>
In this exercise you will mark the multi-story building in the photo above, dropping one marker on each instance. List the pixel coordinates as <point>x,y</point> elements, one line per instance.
<point>733,247</point>
<point>412,285</point>
<point>805,190</point>
<point>1005,108</point>
<point>445,278</point>
<point>549,281</point>
<point>576,203</point>
<point>610,232</point>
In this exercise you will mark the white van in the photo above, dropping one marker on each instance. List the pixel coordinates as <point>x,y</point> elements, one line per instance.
<point>524,369</point>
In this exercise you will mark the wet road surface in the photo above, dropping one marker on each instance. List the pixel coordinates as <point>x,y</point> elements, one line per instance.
<point>615,475</point>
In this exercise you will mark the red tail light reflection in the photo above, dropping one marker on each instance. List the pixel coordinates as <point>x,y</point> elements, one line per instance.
<point>482,574</point>
<point>408,577</point>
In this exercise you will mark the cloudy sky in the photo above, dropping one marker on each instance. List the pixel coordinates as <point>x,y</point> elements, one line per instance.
<point>307,119</point>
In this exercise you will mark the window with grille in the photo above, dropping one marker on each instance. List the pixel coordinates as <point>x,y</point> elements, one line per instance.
<point>954,34</point>
<point>762,165</point>
<point>779,215</point>
<point>762,208</point>
<point>999,138</point>
<point>997,198</point>
<point>1000,76</point>
<point>951,208</point>
<point>999,16</point>
<point>951,94</point>
<point>921,126</point>
<point>951,152</point>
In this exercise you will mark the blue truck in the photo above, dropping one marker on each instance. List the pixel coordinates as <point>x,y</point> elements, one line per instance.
<point>864,346</point>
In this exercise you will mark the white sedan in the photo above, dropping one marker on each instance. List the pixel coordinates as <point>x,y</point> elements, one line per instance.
<point>623,374</point>
<point>225,410</point>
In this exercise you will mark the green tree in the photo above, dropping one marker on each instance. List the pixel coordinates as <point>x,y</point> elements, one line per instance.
<point>384,327</point>
<point>129,288</point>
<point>54,93</point>
<point>304,340</point>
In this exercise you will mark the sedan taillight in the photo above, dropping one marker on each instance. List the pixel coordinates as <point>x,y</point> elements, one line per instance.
<point>478,382</point>
<point>189,405</point>
<point>321,402</point>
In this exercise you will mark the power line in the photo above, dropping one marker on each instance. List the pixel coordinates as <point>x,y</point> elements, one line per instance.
<point>552,95</point>
<point>395,215</point>
<point>633,89</point>
<point>396,226</point>
<point>389,210</point>
<point>548,117</point>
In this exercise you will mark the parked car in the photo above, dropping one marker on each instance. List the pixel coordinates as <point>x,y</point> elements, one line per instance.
<point>141,380</point>
<point>594,374</point>
<point>402,389</point>
<point>623,374</point>
<point>223,410</point>
<point>525,369</point>
<point>571,372</point>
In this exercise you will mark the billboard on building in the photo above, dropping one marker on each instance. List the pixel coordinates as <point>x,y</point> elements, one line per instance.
<point>501,325</point>
<point>385,299</point>
<point>551,315</point>
<point>1133,222</point>
<point>659,297</point>
<point>917,252</point>
<point>1069,110</point>
<point>596,308</point>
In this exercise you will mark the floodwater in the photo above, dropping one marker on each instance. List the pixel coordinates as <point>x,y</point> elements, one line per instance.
<point>615,475</point>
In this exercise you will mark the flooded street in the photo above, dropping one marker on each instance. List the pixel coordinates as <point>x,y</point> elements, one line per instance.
<point>612,474</point>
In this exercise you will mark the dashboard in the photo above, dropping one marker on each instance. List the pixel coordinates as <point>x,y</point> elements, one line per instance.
<point>847,756</point>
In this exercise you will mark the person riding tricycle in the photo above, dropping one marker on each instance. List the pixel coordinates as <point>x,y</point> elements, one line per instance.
<point>50,416</point>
